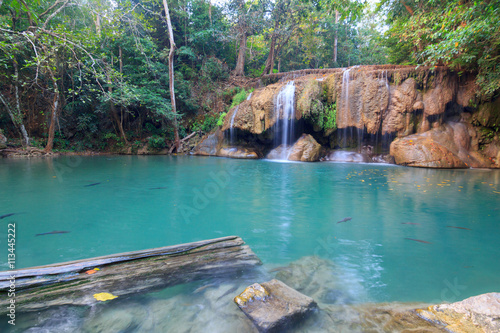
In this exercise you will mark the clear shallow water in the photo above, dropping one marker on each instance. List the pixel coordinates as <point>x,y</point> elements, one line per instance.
<point>284,211</point>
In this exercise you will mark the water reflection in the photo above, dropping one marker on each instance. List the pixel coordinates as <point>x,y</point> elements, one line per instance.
<point>284,211</point>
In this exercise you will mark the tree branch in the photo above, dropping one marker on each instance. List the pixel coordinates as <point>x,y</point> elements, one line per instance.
<point>408,8</point>
<point>54,14</point>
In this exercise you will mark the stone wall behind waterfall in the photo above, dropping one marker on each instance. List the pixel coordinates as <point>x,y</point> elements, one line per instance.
<point>431,115</point>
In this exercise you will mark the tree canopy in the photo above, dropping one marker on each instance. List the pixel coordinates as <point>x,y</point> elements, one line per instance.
<point>95,72</point>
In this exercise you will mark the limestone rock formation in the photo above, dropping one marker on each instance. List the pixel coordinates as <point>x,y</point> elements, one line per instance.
<point>273,306</point>
<point>374,104</point>
<point>363,99</point>
<point>403,101</point>
<point>448,146</point>
<point>306,149</point>
<point>475,314</point>
<point>210,144</point>
<point>257,115</point>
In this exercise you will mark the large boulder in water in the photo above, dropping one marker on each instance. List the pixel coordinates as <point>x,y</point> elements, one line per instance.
<point>306,149</point>
<point>210,144</point>
<point>448,146</point>
<point>273,306</point>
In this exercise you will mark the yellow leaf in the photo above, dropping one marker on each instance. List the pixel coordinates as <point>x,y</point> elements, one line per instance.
<point>456,44</point>
<point>104,297</point>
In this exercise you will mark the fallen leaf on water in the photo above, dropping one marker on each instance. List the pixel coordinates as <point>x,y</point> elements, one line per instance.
<point>104,297</point>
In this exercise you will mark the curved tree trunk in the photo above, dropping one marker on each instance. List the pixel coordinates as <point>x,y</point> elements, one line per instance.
<point>270,58</point>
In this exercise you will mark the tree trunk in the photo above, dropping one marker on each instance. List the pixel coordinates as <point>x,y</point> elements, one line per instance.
<point>112,107</point>
<point>270,57</point>
<point>239,70</point>
<point>19,120</point>
<point>336,37</point>
<point>14,120</point>
<point>53,114</point>
<point>126,273</point>
<point>171,73</point>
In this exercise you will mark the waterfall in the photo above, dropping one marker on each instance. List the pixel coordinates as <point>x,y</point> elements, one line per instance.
<point>231,127</point>
<point>284,110</point>
<point>344,109</point>
<point>249,96</point>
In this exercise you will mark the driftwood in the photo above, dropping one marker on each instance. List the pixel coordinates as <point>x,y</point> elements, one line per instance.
<point>125,273</point>
<point>172,147</point>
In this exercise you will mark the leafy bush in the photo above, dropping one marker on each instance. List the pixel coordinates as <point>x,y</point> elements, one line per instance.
<point>330,115</point>
<point>156,142</point>
<point>60,142</point>
<point>112,141</point>
<point>240,97</point>
<point>220,121</point>
<point>214,69</point>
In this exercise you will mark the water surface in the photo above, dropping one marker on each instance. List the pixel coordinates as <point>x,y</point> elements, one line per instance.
<point>416,235</point>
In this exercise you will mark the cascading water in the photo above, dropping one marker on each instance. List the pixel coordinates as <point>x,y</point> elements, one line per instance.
<point>249,96</point>
<point>284,110</point>
<point>344,108</point>
<point>231,128</point>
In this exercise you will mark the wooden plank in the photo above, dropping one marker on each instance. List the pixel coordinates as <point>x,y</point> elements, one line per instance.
<point>125,273</point>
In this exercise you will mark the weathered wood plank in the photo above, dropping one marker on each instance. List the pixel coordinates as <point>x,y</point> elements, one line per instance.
<point>125,273</point>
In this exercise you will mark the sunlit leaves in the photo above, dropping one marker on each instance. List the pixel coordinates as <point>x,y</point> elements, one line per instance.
<point>460,34</point>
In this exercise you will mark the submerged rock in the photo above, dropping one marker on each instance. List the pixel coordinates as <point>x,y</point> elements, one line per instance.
<point>317,278</point>
<point>475,314</point>
<point>238,152</point>
<point>273,306</point>
<point>347,156</point>
<point>279,153</point>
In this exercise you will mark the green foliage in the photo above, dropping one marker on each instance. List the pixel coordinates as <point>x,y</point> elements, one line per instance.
<point>330,121</point>
<point>209,123</point>
<point>220,121</point>
<point>321,116</point>
<point>157,142</point>
<point>240,97</point>
<point>214,69</point>
<point>463,35</point>
<point>60,142</point>
<point>112,141</point>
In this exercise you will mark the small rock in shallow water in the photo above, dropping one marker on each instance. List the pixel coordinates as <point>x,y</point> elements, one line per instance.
<point>273,306</point>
